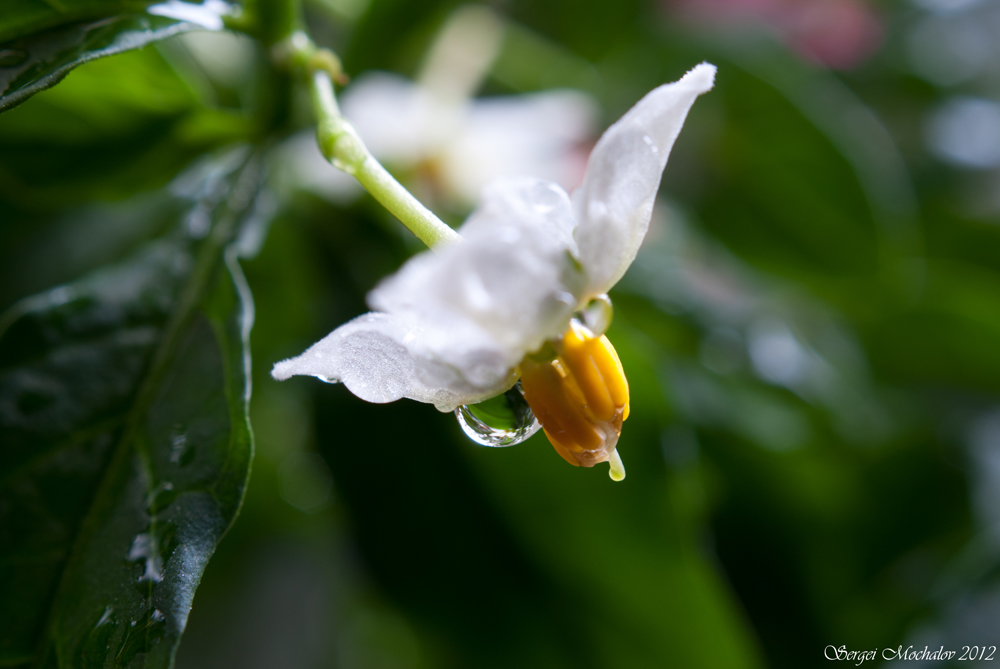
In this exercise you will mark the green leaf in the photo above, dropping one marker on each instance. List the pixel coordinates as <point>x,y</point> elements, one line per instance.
<point>33,61</point>
<point>126,445</point>
<point>23,17</point>
<point>115,127</point>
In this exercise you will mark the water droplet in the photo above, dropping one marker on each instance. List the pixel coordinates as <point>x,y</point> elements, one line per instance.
<point>181,452</point>
<point>597,314</point>
<point>12,57</point>
<point>145,548</point>
<point>160,497</point>
<point>152,549</point>
<point>327,379</point>
<point>503,420</point>
<point>141,637</point>
<point>98,640</point>
<point>344,166</point>
<point>105,617</point>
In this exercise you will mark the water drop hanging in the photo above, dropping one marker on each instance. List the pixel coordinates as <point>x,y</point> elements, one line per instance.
<point>504,420</point>
<point>596,315</point>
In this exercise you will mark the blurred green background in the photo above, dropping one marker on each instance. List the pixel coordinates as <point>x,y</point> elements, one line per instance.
<point>811,334</point>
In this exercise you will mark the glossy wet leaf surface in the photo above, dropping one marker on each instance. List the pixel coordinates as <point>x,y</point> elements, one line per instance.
<point>23,17</point>
<point>126,446</point>
<point>33,61</point>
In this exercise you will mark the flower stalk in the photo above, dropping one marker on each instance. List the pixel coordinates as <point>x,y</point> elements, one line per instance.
<point>342,146</point>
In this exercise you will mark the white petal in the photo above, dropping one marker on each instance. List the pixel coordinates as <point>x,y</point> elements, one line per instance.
<point>399,121</point>
<point>463,53</point>
<point>378,357</point>
<point>536,135</point>
<point>507,288</point>
<point>614,203</point>
<point>458,322</point>
<point>539,209</point>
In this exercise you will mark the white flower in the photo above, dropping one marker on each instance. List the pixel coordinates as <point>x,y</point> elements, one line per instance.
<point>431,131</point>
<point>453,326</point>
<point>455,148</point>
<point>461,145</point>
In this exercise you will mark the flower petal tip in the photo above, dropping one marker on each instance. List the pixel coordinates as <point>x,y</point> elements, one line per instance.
<point>282,371</point>
<point>700,77</point>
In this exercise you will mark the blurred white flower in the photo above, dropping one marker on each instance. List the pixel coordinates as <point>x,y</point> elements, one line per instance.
<point>433,131</point>
<point>966,132</point>
<point>453,326</point>
<point>951,49</point>
<point>458,147</point>
<point>840,34</point>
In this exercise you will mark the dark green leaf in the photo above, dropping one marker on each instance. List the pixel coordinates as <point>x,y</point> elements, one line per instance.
<point>126,446</point>
<point>31,62</point>
<point>114,127</point>
<point>23,17</point>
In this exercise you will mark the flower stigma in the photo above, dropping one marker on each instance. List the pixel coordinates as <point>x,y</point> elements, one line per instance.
<point>580,397</point>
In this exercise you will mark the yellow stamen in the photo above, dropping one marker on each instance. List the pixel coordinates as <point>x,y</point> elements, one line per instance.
<point>580,398</point>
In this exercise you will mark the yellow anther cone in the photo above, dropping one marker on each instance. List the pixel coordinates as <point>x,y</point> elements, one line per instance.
<point>580,398</point>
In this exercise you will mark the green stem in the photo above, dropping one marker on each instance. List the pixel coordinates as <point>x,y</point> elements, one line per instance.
<point>341,145</point>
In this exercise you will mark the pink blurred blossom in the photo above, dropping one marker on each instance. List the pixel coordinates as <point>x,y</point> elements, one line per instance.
<point>839,34</point>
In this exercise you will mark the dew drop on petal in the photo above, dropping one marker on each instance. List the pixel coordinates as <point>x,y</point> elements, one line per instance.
<point>597,314</point>
<point>504,420</point>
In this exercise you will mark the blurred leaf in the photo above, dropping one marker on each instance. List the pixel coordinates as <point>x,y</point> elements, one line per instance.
<point>950,338</point>
<point>529,62</point>
<point>114,127</point>
<point>31,62</point>
<point>576,570</point>
<point>466,573</point>
<point>123,414</point>
<point>23,17</point>
<point>586,529</point>
<point>786,199</point>
<point>591,33</point>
